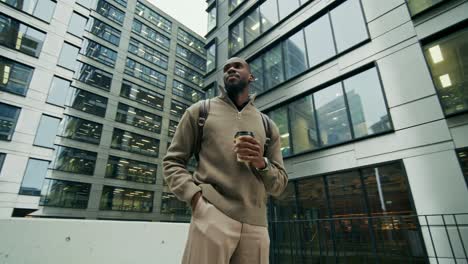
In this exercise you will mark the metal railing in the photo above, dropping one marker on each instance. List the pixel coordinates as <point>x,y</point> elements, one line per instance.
<point>379,239</point>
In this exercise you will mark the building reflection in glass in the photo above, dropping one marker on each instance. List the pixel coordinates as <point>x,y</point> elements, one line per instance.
<point>74,160</point>
<point>125,199</point>
<point>135,143</point>
<point>80,129</point>
<point>130,170</point>
<point>65,194</point>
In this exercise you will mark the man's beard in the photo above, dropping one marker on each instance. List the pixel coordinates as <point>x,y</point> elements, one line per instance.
<point>235,88</point>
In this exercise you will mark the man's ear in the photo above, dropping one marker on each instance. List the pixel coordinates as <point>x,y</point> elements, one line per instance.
<point>251,78</point>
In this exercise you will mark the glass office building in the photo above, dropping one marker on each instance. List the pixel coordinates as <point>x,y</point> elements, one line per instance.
<point>90,95</point>
<point>370,98</point>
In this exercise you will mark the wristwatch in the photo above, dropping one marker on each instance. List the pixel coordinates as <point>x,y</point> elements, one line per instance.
<point>267,165</point>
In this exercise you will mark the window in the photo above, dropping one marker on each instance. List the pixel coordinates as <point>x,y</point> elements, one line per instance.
<point>87,102</point>
<point>233,4</point>
<point>103,31</point>
<point>319,39</point>
<point>252,26</point>
<point>369,114</point>
<point>77,25</point>
<point>42,9</point>
<point>178,109</point>
<point>135,143</point>
<point>191,41</point>
<point>145,73</point>
<point>417,6</point>
<point>256,68</point>
<point>152,16</point>
<point>46,132</point>
<point>147,53</point>
<point>98,52</point>
<point>58,91</point>
<point>171,205</point>
<point>15,76</point>
<point>187,92</point>
<point>35,173</point>
<point>295,59</point>
<point>130,170</point>
<point>109,11</point>
<point>188,74</point>
<point>8,117</point>
<point>323,118</point>
<point>21,37</point>
<point>349,25</point>
<point>286,7</point>
<point>142,95</point>
<point>236,39</point>
<point>462,157</point>
<point>447,62</point>
<point>138,118</point>
<point>212,12</point>
<point>68,56</point>
<point>2,159</point>
<point>121,2</point>
<point>93,76</point>
<point>191,57</point>
<point>74,160</point>
<point>274,72</point>
<point>172,128</point>
<point>80,130</point>
<point>150,34</point>
<point>125,199</point>
<point>269,14</point>
<point>65,194</point>
<point>211,57</point>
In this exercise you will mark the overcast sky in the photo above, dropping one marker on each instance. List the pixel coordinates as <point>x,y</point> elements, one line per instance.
<point>191,13</point>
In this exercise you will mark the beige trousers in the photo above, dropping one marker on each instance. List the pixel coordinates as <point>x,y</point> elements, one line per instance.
<point>215,238</point>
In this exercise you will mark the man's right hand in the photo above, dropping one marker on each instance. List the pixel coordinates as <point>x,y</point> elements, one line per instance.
<point>195,200</point>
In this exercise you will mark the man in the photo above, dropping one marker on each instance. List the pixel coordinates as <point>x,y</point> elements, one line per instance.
<point>228,197</point>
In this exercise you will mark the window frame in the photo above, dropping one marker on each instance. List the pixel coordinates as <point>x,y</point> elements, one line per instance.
<point>29,80</point>
<point>89,41</point>
<point>13,127</point>
<point>457,152</point>
<point>161,96</point>
<point>32,15</point>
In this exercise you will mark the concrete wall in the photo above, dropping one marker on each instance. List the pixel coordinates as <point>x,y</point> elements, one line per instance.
<point>47,241</point>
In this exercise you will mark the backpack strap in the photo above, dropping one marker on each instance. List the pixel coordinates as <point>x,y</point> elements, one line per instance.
<point>267,127</point>
<point>202,116</point>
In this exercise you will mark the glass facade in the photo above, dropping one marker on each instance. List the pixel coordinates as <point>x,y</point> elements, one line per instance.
<point>8,117</point>
<point>80,129</point>
<point>138,118</point>
<point>135,143</point>
<point>354,216</point>
<point>147,53</point>
<point>21,37</point>
<point>87,102</point>
<point>343,111</point>
<point>306,48</point>
<point>109,11</point>
<point>47,131</point>
<point>212,17</point>
<point>65,194</point>
<point>448,60</point>
<point>177,108</point>
<point>188,74</point>
<point>15,76</point>
<point>171,205</point>
<point>463,158</point>
<point>77,24</point>
<point>68,56</point>
<point>142,95</point>
<point>98,52</point>
<point>191,41</point>
<point>152,16</point>
<point>172,128</point>
<point>125,199</point>
<point>211,58</point>
<point>34,176</point>
<point>93,76</point>
<point>145,73</point>
<point>74,160</point>
<point>131,170</point>
<point>150,34</point>
<point>103,31</point>
<point>42,9</point>
<point>189,56</point>
<point>233,4</point>
<point>187,92</point>
<point>417,6</point>
<point>58,91</point>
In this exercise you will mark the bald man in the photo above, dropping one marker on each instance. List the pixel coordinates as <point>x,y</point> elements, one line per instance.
<point>228,190</point>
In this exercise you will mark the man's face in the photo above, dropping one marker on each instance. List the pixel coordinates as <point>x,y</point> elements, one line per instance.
<point>236,75</point>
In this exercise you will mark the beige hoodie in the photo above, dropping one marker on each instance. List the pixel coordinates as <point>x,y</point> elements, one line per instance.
<point>238,190</point>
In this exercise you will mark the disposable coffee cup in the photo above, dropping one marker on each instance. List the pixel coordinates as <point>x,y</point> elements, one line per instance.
<point>236,140</point>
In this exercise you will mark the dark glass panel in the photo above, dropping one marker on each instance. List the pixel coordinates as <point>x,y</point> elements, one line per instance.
<point>87,102</point>
<point>142,95</point>
<point>188,74</point>
<point>187,92</point>
<point>145,73</point>
<point>191,41</point>
<point>151,34</point>
<point>191,57</point>
<point>65,194</point>
<point>178,109</point>
<point>42,9</point>
<point>98,52</point>
<point>131,170</point>
<point>93,76</point>
<point>125,199</point>
<point>147,53</point>
<point>8,118</point>
<point>172,128</point>
<point>171,205</point>
<point>15,77</point>
<point>21,37</point>
<point>135,143</point>
<point>138,118</point>
<point>80,129</point>
<point>103,31</point>
<point>109,11</point>
<point>74,160</point>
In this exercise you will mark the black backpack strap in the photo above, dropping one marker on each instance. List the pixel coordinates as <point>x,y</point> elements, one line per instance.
<point>267,127</point>
<point>202,116</point>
